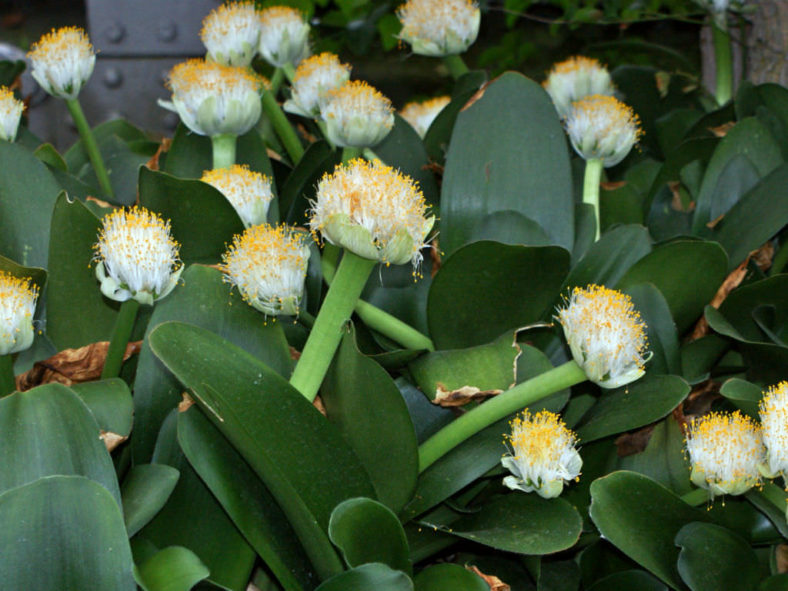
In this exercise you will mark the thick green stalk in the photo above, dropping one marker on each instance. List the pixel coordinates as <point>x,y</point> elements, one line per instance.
<point>89,141</point>
<point>282,127</point>
<point>289,71</point>
<point>775,495</point>
<point>276,81</point>
<point>723,57</point>
<point>124,324</point>
<point>7,382</point>
<point>484,415</point>
<point>349,152</point>
<point>696,497</point>
<point>375,318</point>
<point>326,334</point>
<point>456,66</point>
<point>223,150</point>
<point>591,182</point>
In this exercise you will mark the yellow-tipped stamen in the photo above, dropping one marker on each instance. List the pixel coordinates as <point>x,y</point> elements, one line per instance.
<point>11,110</point>
<point>62,61</point>
<point>439,27</point>
<point>17,305</point>
<point>421,114</point>
<point>773,412</point>
<point>313,78</point>
<point>603,128</point>
<point>357,115</point>
<point>575,79</point>
<point>231,33</point>
<point>284,38</point>
<point>249,192</point>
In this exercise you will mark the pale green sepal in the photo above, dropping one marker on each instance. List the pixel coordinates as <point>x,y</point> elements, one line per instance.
<point>399,250</point>
<point>110,287</point>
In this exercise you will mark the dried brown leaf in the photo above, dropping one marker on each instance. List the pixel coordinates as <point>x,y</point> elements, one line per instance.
<point>478,94</point>
<point>460,396</point>
<point>185,403</point>
<point>710,225</point>
<point>628,444</point>
<point>781,557</point>
<point>722,130</point>
<point>435,257</point>
<point>164,147</point>
<point>318,404</point>
<point>99,202</point>
<point>732,281</point>
<point>676,202</point>
<point>612,186</point>
<point>763,256</point>
<point>112,440</point>
<point>494,582</point>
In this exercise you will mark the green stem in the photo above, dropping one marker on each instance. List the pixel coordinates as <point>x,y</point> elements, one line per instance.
<point>324,339</point>
<point>89,141</point>
<point>375,318</point>
<point>484,415</point>
<point>370,155</point>
<point>723,56</point>
<point>591,182</point>
<point>7,382</point>
<point>775,495</point>
<point>696,497</point>
<point>276,81</point>
<point>324,130</point>
<point>282,127</point>
<point>349,152</point>
<point>289,72</point>
<point>124,323</point>
<point>306,319</point>
<point>223,151</point>
<point>456,66</point>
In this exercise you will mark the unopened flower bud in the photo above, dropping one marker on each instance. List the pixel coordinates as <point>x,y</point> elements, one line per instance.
<point>602,128</point>
<point>574,79</point>
<point>231,33</point>
<point>249,192</point>
<point>314,77</point>
<point>357,115</point>
<point>439,27</point>
<point>284,37</point>
<point>63,61</point>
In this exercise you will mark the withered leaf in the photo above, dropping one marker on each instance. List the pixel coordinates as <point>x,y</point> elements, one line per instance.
<point>494,582</point>
<point>461,396</point>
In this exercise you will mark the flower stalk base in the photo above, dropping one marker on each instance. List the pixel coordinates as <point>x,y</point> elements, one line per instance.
<point>591,180</point>
<point>282,127</point>
<point>223,151</point>
<point>456,66</point>
<point>124,324</point>
<point>89,141</point>
<point>723,57</point>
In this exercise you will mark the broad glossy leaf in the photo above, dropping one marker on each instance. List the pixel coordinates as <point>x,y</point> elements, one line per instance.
<point>245,499</point>
<point>490,168</point>
<point>520,522</point>
<point>629,580</point>
<point>203,220</point>
<point>774,583</point>
<point>109,401</point>
<point>745,395</point>
<point>299,188</point>
<point>663,342</point>
<point>173,569</point>
<point>713,558</point>
<point>641,518</point>
<point>27,196</point>
<point>367,531</point>
<point>202,299</point>
<point>509,227</point>
<point>63,532</point>
<point>748,139</point>
<point>145,490</point>
<point>687,273</point>
<point>629,407</point>
<point>369,576</point>
<point>699,356</point>
<point>193,518</point>
<point>741,517</point>
<point>739,311</point>
<point>47,431</point>
<point>122,161</point>
<point>427,418</point>
<point>487,288</point>
<point>76,156</point>
<point>72,280</point>
<point>363,402</point>
<point>490,367</point>
<point>449,577</point>
<point>403,149</point>
<point>266,420</point>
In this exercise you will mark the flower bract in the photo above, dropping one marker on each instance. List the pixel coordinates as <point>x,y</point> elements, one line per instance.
<point>373,211</point>
<point>773,413</point>
<point>11,110</point>
<point>725,451</point>
<point>136,257</point>
<point>542,454</point>
<point>606,335</point>
<point>62,61</point>
<point>231,33</point>
<point>213,99</point>
<point>421,114</point>
<point>357,115</point>
<point>439,27</point>
<point>17,305</point>
<point>602,127</point>
<point>314,77</point>
<point>268,266</point>
<point>284,37</point>
<point>249,192</point>
<point>574,79</point>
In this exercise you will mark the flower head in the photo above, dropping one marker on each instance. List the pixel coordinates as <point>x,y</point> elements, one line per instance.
<point>284,38</point>
<point>574,79</point>
<point>602,127</point>
<point>136,256</point>
<point>213,99</point>
<point>773,413</point>
<point>725,450</point>
<point>542,454</point>
<point>249,192</point>
<point>439,27</point>
<point>357,115</point>
<point>606,335</point>
<point>373,211</point>
<point>63,60</point>
<point>10,113</point>
<point>17,305</point>
<point>420,115</point>
<point>231,33</point>
<point>314,77</point>
<point>268,266</point>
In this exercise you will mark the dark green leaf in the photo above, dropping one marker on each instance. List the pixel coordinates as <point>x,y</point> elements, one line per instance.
<point>745,395</point>
<point>49,155</point>
<point>369,576</point>
<point>630,580</point>
<point>489,166</point>
<point>713,558</point>
<point>109,401</point>
<point>364,403</point>
<point>509,227</point>
<point>367,531</point>
<point>663,342</point>
<point>172,569</point>
<point>641,518</point>
<point>449,577</point>
<point>299,188</point>
<point>145,490</point>
<point>63,532</point>
<point>487,288</point>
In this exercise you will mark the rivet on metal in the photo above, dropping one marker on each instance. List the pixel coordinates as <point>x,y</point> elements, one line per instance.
<point>115,32</point>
